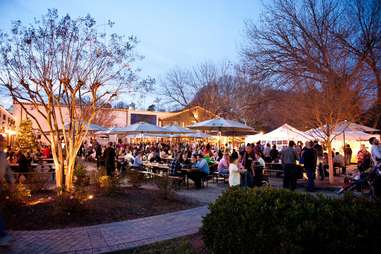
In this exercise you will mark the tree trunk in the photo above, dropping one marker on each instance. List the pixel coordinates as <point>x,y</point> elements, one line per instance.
<point>70,164</point>
<point>330,163</point>
<point>58,164</point>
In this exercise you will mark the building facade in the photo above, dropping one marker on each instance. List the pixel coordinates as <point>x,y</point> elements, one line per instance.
<point>7,125</point>
<point>111,117</point>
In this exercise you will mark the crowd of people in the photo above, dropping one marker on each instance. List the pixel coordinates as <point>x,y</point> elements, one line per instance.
<point>242,166</point>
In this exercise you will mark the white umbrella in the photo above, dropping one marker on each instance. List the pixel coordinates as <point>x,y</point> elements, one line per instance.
<point>148,135</point>
<point>349,126</point>
<point>92,127</point>
<point>138,128</point>
<point>175,129</point>
<point>112,130</point>
<point>192,135</point>
<point>224,126</point>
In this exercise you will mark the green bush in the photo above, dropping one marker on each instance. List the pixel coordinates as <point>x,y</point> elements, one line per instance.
<point>279,221</point>
<point>109,185</point>
<point>80,175</point>
<point>69,205</point>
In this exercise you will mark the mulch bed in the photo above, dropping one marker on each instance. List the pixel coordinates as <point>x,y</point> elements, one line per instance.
<point>128,203</point>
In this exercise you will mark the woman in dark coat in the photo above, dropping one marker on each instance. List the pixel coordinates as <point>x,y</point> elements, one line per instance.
<point>109,156</point>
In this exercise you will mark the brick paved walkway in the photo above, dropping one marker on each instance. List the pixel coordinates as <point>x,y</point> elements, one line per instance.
<point>109,237</point>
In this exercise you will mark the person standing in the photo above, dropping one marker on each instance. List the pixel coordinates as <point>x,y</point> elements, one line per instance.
<point>109,156</point>
<point>234,171</point>
<point>248,157</point>
<point>289,158</point>
<point>258,167</point>
<point>347,154</point>
<point>375,151</point>
<point>6,176</point>
<point>320,155</point>
<point>309,157</point>
<point>274,154</point>
<point>98,153</point>
<point>267,153</point>
<point>363,159</point>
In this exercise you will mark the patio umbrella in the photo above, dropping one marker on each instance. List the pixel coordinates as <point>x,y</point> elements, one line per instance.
<point>191,135</point>
<point>175,129</point>
<point>197,135</point>
<point>143,127</point>
<point>92,127</point>
<point>137,128</point>
<point>109,131</point>
<point>224,127</point>
<point>149,135</point>
<point>349,126</point>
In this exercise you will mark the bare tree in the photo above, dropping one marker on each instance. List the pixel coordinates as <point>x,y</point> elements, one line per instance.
<point>296,47</point>
<point>121,105</point>
<point>363,40</point>
<point>65,67</point>
<point>104,118</point>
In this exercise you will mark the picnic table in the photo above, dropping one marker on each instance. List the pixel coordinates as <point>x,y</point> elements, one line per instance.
<point>48,160</point>
<point>15,166</point>
<point>274,167</point>
<point>156,165</point>
<point>277,168</point>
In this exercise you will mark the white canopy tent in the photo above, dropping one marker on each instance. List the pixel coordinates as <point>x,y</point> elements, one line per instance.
<point>280,136</point>
<point>352,137</point>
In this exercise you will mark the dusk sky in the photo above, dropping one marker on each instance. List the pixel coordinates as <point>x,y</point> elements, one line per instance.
<point>171,33</point>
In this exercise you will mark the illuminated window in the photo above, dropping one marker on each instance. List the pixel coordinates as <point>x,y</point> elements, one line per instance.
<point>136,118</point>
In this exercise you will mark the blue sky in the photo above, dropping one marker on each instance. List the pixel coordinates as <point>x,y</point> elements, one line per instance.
<point>171,33</point>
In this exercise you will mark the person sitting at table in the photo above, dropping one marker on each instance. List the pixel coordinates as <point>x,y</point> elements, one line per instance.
<point>223,165</point>
<point>138,161</point>
<point>128,157</point>
<point>24,163</point>
<point>219,155</point>
<point>163,154</point>
<point>338,162</point>
<point>151,156</point>
<point>201,169</point>
<point>175,167</point>
<point>46,152</point>
<point>185,161</point>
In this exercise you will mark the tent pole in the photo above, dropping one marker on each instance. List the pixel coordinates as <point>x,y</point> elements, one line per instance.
<point>345,161</point>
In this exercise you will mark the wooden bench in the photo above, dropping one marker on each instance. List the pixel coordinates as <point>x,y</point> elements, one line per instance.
<point>217,176</point>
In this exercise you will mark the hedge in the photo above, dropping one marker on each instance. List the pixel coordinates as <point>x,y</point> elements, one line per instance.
<point>279,221</point>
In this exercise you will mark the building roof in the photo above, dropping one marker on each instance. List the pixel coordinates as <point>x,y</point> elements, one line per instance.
<point>7,112</point>
<point>174,114</point>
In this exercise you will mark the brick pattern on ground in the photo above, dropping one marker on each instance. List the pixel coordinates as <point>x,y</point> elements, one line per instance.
<point>109,237</point>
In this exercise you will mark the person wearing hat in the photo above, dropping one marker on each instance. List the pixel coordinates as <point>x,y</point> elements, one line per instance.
<point>6,176</point>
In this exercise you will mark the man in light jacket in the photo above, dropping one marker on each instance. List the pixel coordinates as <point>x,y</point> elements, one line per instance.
<point>289,157</point>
